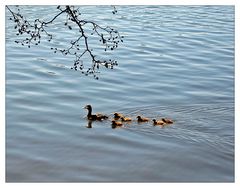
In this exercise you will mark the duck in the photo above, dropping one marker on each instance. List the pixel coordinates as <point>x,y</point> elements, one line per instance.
<point>126,119</point>
<point>159,122</point>
<point>167,121</point>
<point>93,117</point>
<point>117,115</point>
<point>142,119</point>
<point>116,124</point>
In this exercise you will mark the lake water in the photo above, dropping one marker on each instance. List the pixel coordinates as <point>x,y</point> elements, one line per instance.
<point>175,61</point>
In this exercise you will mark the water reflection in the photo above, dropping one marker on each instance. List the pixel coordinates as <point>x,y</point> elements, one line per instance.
<point>89,125</point>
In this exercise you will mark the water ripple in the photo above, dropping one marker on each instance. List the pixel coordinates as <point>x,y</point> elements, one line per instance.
<point>175,61</point>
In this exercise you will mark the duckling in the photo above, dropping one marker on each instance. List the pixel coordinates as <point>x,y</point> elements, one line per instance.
<point>93,117</point>
<point>116,124</point>
<point>126,119</point>
<point>117,115</point>
<point>155,122</point>
<point>168,121</point>
<point>142,119</point>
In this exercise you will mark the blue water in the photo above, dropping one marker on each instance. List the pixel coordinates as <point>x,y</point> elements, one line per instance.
<point>175,61</point>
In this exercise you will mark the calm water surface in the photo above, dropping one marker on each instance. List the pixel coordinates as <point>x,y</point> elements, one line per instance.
<point>176,61</point>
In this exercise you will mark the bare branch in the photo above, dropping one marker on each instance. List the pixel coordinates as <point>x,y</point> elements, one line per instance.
<point>108,37</point>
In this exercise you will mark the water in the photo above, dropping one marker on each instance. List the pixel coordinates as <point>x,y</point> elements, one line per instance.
<point>175,61</point>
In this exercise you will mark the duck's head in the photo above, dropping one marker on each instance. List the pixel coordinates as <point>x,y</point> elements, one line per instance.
<point>88,107</point>
<point>138,117</point>
<point>154,120</point>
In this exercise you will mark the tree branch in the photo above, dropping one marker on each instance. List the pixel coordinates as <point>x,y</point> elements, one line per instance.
<point>108,37</point>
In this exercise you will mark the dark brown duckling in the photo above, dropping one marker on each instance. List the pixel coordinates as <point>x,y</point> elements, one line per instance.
<point>160,122</point>
<point>116,124</point>
<point>94,117</point>
<point>142,119</point>
<point>168,121</point>
<point>117,115</point>
<point>126,119</point>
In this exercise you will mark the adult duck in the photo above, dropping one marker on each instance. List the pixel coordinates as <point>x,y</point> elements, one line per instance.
<point>142,119</point>
<point>94,117</point>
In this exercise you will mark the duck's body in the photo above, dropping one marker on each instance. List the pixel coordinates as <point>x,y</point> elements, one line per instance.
<point>168,121</point>
<point>142,119</point>
<point>126,119</point>
<point>160,122</point>
<point>94,117</point>
<point>116,124</point>
<point>117,116</point>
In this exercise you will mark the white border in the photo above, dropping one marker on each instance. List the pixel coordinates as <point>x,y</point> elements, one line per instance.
<point>121,2</point>
<point>237,93</point>
<point>2,93</point>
